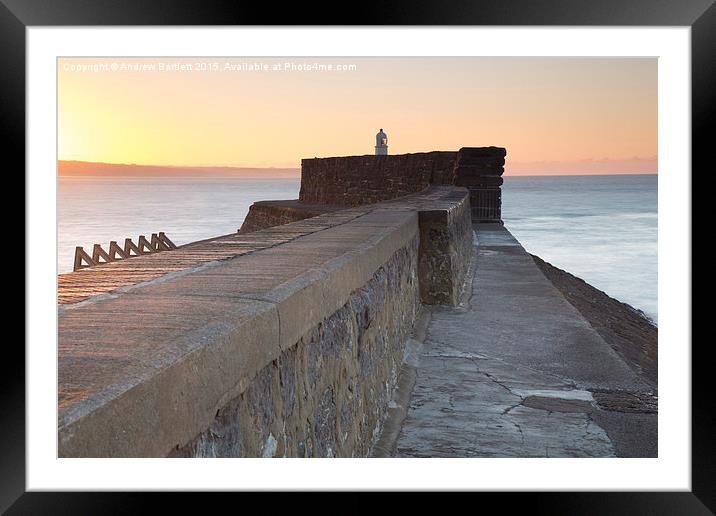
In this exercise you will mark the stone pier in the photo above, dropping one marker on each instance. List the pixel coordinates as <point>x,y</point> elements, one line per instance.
<point>377,315</point>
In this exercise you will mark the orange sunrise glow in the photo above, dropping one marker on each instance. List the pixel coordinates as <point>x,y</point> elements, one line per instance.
<point>554,115</point>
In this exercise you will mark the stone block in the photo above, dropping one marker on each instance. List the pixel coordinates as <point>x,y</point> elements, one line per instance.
<point>476,171</point>
<point>481,152</point>
<point>479,181</point>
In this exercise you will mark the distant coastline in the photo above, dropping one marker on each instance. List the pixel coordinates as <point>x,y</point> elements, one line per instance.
<point>98,169</point>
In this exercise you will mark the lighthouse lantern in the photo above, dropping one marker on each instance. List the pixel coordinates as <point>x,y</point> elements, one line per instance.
<point>381,144</point>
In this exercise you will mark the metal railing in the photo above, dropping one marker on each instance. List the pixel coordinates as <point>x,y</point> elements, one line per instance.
<point>486,204</point>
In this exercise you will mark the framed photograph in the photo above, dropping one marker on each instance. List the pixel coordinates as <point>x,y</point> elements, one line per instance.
<point>419,245</point>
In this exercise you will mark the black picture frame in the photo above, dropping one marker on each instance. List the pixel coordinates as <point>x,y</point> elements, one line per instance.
<point>700,15</point>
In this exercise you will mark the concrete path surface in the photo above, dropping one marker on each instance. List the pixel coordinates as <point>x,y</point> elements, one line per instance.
<point>516,371</point>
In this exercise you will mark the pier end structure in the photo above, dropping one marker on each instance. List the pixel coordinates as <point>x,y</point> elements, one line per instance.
<point>332,183</point>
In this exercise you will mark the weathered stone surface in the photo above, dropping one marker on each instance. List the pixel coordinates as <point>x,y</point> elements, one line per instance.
<point>327,395</point>
<point>516,371</point>
<point>625,401</point>
<point>324,424</point>
<point>266,214</point>
<point>318,293</point>
<point>358,180</point>
<point>445,253</point>
<point>136,376</point>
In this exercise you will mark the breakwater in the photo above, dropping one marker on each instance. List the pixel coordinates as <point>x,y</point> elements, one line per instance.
<point>331,328</point>
<point>234,349</point>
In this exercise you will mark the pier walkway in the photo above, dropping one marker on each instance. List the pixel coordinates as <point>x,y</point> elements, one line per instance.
<point>108,278</point>
<point>516,371</point>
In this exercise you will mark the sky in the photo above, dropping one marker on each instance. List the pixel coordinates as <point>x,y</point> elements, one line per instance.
<point>554,115</point>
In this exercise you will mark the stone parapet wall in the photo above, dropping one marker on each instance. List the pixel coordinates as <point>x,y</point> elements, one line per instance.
<point>327,395</point>
<point>289,350</point>
<point>266,214</point>
<point>357,180</point>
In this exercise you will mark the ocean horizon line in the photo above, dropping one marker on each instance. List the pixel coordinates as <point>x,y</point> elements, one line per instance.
<point>298,176</point>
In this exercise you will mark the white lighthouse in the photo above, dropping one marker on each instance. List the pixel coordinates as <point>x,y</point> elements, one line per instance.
<point>381,144</point>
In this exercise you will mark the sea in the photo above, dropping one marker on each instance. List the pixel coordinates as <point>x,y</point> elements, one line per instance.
<point>602,229</point>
